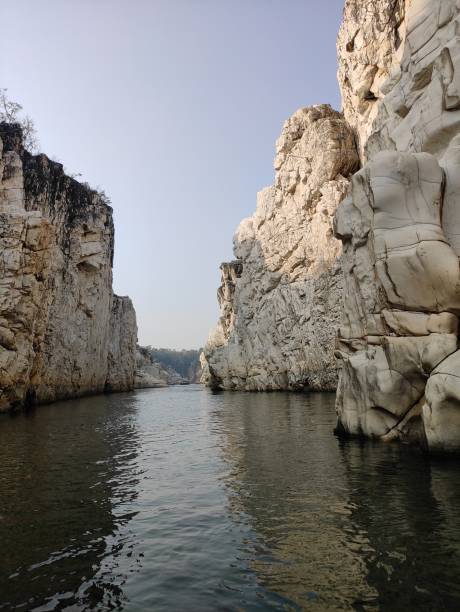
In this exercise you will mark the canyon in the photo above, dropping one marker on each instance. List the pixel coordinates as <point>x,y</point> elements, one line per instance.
<point>302,474</point>
<point>349,267</point>
<point>346,277</point>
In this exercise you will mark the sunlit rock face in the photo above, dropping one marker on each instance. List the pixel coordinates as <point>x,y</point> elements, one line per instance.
<point>420,110</point>
<point>62,331</point>
<point>401,297</point>
<point>397,342</point>
<point>369,48</point>
<point>280,298</point>
<point>400,227</point>
<point>399,74</point>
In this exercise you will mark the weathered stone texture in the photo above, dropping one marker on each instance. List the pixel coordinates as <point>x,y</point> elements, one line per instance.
<point>56,297</point>
<point>122,345</point>
<point>148,374</point>
<point>398,337</point>
<point>151,373</point>
<point>369,45</point>
<point>406,55</point>
<point>400,227</point>
<point>280,298</point>
<point>401,298</point>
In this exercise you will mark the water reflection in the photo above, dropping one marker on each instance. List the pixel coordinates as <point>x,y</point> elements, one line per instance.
<point>179,499</point>
<point>68,478</point>
<point>407,508</point>
<point>340,525</point>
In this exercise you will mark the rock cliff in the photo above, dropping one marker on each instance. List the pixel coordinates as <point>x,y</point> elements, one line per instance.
<point>400,225</point>
<point>148,374</point>
<point>164,367</point>
<point>415,101</point>
<point>122,355</point>
<point>63,332</point>
<point>280,298</point>
<point>397,344</point>
<point>369,48</point>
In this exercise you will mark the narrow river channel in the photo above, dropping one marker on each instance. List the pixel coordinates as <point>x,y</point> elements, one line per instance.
<point>182,500</point>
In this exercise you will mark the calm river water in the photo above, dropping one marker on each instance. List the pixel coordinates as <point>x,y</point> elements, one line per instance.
<point>183,500</point>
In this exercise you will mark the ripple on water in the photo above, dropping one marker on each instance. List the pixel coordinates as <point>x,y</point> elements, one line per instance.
<point>181,499</point>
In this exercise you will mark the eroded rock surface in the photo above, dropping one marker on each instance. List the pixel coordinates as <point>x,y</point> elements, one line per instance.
<point>399,74</point>
<point>122,345</point>
<point>152,373</point>
<point>400,228</point>
<point>62,331</point>
<point>280,298</point>
<point>401,301</point>
<point>148,374</point>
<point>370,47</point>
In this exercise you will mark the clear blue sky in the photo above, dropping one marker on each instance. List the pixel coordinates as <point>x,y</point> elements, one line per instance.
<point>173,108</point>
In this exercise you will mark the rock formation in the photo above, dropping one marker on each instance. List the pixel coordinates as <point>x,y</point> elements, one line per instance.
<point>369,48</point>
<point>402,290</point>
<point>148,374</point>
<point>400,226</point>
<point>154,369</point>
<point>399,74</point>
<point>63,333</point>
<point>280,298</point>
<point>122,344</point>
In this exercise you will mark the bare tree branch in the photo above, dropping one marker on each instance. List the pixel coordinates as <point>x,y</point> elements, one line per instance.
<point>11,112</point>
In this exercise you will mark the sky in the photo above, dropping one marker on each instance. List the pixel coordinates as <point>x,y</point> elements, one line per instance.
<point>172,107</point>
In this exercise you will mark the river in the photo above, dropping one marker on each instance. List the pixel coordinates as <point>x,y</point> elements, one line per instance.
<point>181,499</point>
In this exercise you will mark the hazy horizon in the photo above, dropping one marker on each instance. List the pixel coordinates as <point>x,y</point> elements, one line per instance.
<point>172,107</point>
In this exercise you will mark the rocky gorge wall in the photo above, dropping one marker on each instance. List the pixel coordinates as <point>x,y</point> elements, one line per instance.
<point>280,298</point>
<point>63,333</point>
<point>398,273</point>
<point>400,229</point>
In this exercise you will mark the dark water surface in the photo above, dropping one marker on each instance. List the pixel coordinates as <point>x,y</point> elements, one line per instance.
<point>181,500</point>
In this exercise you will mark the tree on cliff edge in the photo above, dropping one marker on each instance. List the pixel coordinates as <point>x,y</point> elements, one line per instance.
<point>11,112</point>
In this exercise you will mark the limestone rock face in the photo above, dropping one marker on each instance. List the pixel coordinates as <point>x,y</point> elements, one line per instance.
<point>401,302</point>
<point>370,46</point>
<point>280,298</point>
<point>148,374</point>
<point>59,319</point>
<point>151,373</point>
<point>122,345</point>
<point>398,342</point>
<point>442,405</point>
<point>407,57</point>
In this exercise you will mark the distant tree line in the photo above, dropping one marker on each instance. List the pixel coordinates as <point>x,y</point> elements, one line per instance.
<point>184,362</point>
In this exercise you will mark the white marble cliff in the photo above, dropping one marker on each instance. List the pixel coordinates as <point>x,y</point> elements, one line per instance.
<point>280,299</point>
<point>396,335</point>
<point>63,333</point>
<point>400,227</point>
